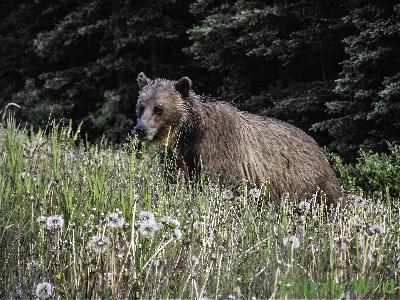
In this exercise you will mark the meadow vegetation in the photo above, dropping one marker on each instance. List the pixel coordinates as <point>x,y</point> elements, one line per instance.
<point>99,221</point>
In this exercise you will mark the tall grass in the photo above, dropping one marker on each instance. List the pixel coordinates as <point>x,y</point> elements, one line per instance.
<point>215,243</point>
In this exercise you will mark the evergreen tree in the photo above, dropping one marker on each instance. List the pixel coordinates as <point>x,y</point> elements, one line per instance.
<point>278,58</point>
<point>329,67</point>
<point>366,111</point>
<point>90,56</point>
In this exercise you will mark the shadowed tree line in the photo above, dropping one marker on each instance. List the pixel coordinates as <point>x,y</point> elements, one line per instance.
<point>329,67</point>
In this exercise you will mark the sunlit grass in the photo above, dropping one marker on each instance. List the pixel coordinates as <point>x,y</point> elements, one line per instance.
<point>86,221</point>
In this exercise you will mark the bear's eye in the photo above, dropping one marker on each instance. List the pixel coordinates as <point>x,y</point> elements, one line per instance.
<point>158,110</point>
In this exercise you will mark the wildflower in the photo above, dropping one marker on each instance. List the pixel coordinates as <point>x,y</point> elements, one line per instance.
<point>304,206</point>
<point>70,156</point>
<point>44,290</point>
<point>340,243</point>
<point>99,244</point>
<point>359,201</point>
<point>198,225</point>
<point>227,194</point>
<point>171,222</point>
<point>135,198</point>
<point>255,193</point>
<point>195,260</point>
<point>24,175</point>
<point>32,265</point>
<point>146,216</point>
<point>379,209</point>
<point>148,228</point>
<point>357,222</point>
<point>177,234</point>
<point>115,220</point>
<point>54,222</point>
<point>376,229</point>
<point>41,220</point>
<point>292,241</point>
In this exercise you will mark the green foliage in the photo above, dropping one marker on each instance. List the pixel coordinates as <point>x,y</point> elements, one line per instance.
<point>329,67</point>
<point>88,50</point>
<point>375,174</point>
<point>276,58</point>
<point>217,243</point>
<point>367,108</point>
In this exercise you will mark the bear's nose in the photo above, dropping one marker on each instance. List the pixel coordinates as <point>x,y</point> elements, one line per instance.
<point>140,131</point>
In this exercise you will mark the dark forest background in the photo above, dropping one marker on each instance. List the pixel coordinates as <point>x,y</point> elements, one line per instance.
<point>329,67</point>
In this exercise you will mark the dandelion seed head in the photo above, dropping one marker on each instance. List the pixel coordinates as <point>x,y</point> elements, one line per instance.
<point>32,265</point>
<point>136,198</point>
<point>177,234</point>
<point>291,241</point>
<point>359,201</point>
<point>340,243</point>
<point>171,222</point>
<point>115,220</point>
<point>195,260</point>
<point>376,229</point>
<point>227,194</point>
<point>304,206</point>
<point>54,222</point>
<point>44,290</point>
<point>41,220</point>
<point>99,244</point>
<point>255,193</point>
<point>148,228</point>
<point>357,222</point>
<point>24,175</point>
<point>147,216</point>
<point>197,225</point>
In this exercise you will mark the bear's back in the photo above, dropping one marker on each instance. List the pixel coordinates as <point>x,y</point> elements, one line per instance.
<point>236,145</point>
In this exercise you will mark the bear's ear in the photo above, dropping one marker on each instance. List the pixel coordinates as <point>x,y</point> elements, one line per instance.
<point>183,86</point>
<point>142,80</point>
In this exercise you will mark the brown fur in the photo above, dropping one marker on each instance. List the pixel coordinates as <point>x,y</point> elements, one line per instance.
<point>231,145</point>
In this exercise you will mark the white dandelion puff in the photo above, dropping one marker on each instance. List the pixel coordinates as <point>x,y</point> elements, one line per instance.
<point>171,222</point>
<point>340,243</point>
<point>195,260</point>
<point>177,234</point>
<point>24,175</point>
<point>148,228</point>
<point>54,222</point>
<point>99,244</point>
<point>136,197</point>
<point>291,241</point>
<point>198,225</point>
<point>41,220</point>
<point>44,290</point>
<point>304,206</point>
<point>32,265</point>
<point>357,222</point>
<point>115,220</point>
<point>359,201</point>
<point>376,229</point>
<point>147,216</point>
<point>227,194</point>
<point>255,193</point>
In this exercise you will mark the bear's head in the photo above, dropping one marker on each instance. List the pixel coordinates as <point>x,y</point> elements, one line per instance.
<point>162,108</point>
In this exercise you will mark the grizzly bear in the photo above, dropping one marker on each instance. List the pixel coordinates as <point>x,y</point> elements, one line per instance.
<point>229,145</point>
